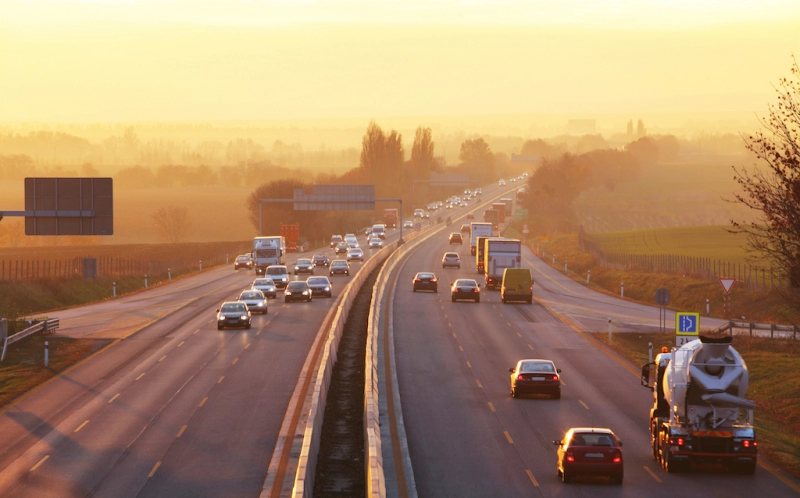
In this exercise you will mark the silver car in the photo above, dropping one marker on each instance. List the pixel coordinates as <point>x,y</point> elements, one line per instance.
<point>355,253</point>
<point>304,266</point>
<point>255,300</point>
<point>265,285</point>
<point>320,286</point>
<point>451,259</point>
<point>375,243</point>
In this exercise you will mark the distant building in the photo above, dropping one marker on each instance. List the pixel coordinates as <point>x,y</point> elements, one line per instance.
<point>581,127</point>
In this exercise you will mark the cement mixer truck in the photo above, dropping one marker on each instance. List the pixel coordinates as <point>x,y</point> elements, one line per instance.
<point>700,413</point>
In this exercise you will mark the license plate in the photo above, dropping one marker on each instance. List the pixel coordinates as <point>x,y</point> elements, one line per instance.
<point>593,455</point>
<point>536,378</point>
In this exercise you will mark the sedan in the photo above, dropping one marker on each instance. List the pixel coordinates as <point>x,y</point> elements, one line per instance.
<point>471,216</point>
<point>451,259</point>
<point>340,266</point>
<point>255,300</point>
<point>243,261</point>
<point>408,224</point>
<point>304,266</point>
<point>320,286</point>
<point>455,238</point>
<point>355,253</point>
<point>589,451</point>
<point>375,243</point>
<point>321,260</point>
<point>466,228</point>
<point>342,247</point>
<point>465,288</point>
<point>426,281</point>
<point>535,377</point>
<point>266,286</point>
<point>233,314</point>
<point>297,291</point>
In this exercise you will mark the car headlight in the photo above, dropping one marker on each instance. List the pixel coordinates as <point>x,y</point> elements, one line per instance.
<point>296,268</point>
<point>288,292</point>
<point>305,293</point>
<point>284,279</point>
<point>221,318</point>
<point>244,317</point>
<point>327,289</point>
<point>261,303</point>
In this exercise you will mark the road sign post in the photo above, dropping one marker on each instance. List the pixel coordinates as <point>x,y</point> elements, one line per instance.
<point>687,327</point>
<point>662,299</point>
<point>727,284</point>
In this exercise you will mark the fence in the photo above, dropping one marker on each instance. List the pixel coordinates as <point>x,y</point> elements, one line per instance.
<point>753,277</point>
<point>779,331</point>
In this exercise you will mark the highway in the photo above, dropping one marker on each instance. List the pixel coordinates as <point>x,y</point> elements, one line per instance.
<point>468,437</point>
<point>173,407</point>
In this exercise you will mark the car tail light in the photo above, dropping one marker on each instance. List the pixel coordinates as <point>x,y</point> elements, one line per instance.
<point>520,377</point>
<point>433,280</point>
<point>617,458</point>
<point>476,290</point>
<point>554,377</point>
<point>417,280</point>
<point>568,457</point>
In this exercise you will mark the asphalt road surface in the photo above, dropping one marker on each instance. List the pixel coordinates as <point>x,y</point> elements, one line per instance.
<point>468,437</point>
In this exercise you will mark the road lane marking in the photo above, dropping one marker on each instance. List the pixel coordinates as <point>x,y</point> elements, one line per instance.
<point>153,472</point>
<point>508,324</point>
<point>584,404</point>
<point>81,426</point>
<point>469,364</point>
<point>652,474</point>
<point>181,431</point>
<point>772,470</point>
<point>519,335</point>
<point>445,315</point>
<point>140,376</point>
<point>530,347</point>
<point>454,334</point>
<point>491,406</point>
<point>479,383</point>
<point>563,383</point>
<point>508,436</point>
<point>162,358</point>
<point>40,462</point>
<point>182,343</point>
<point>204,401</point>
<point>258,332</point>
<point>533,479</point>
<point>248,345</point>
<point>461,349</point>
<point>220,379</point>
<point>115,397</point>
<point>234,361</point>
<point>493,306</point>
<point>198,330</point>
<point>442,305</point>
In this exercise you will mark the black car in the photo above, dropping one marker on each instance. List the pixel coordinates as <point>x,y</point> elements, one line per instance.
<point>233,314</point>
<point>297,291</point>
<point>340,266</point>
<point>426,281</point>
<point>320,286</point>
<point>535,376</point>
<point>304,266</point>
<point>465,288</point>
<point>321,260</point>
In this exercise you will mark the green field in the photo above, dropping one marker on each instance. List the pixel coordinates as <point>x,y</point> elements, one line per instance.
<point>706,241</point>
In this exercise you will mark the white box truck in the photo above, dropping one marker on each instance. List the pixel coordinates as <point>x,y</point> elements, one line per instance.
<point>500,253</point>
<point>478,230</point>
<point>268,251</point>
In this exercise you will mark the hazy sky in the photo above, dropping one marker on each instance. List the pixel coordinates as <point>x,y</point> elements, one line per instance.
<point>125,60</point>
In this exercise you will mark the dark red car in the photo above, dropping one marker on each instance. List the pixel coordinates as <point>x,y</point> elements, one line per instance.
<point>535,376</point>
<point>586,451</point>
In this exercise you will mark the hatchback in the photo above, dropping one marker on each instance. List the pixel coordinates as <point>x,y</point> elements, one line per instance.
<point>243,261</point>
<point>535,376</point>
<point>340,266</point>
<point>255,300</point>
<point>426,281</point>
<point>465,288</point>
<point>589,451</point>
<point>335,239</point>
<point>233,314</point>
<point>297,291</point>
<point>451,259</point>
<point>455,238</point>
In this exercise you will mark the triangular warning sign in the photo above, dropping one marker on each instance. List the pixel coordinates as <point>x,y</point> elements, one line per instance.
<point>727,283</point>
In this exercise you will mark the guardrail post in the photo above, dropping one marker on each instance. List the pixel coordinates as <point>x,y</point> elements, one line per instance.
<point>226,259</point>
<point>622,289</point>
<point>169,271</point>
<point>3,329</point>
<point>609,329</point>
<point>565,267</point>
<point>708,307</point>
<point>46,355</point>
<point>588,276</point>
<point>201,265</point>
<point>772,330</point>
<point>751,330</point>
<point>145,281</point>
<point>114,289</point>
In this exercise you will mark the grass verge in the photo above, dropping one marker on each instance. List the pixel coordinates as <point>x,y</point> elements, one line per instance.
<point>774,368</point>
<point>23,368</point>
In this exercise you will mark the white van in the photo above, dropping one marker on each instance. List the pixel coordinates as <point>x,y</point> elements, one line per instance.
<point>379,230</point>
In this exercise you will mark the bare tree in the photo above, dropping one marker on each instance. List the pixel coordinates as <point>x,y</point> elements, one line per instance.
<point>422,160</point>
<point>775,191</point>
<point>173,223</point>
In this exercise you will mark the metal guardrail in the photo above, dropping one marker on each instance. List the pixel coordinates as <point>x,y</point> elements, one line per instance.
<point>47,326</point>
<point>779,331</point>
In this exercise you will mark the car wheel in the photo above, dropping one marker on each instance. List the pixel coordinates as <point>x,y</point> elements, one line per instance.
<point>285,299</point>
<point>247,326</point>
<point>415,289</point>
<point>557,395</point>
<point>617,480</point>
<point>309,299</point>
<point>477,299</point>
<point>504,300</point>
<point>530,300</point>
<point>220,327</point>
<point>453,299</point>
<point>443,266</point>
<point>565,477</point>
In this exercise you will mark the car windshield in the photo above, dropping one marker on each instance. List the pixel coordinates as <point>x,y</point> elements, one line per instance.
<point>425,275</point>
<point>233,308</point>
<point>319,256</point>
<point>297,286</point>
<point>243,258</point>
<point>591,439</point>
<point>339,263</point>
<point>251,295</point>
<point>466,283</point>
<point>303,261</point>
<point>317,281</point>
<point>538,366</point>
<point>276,270</point>
<point>263,281</point>
<point>266,253</point>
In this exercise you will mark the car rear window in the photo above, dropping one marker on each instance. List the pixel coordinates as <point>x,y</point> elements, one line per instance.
<point>591,439</point>
<point>466,283</point>
<point>537,367</point>
<point>339,263</point>
<point>425,275</point>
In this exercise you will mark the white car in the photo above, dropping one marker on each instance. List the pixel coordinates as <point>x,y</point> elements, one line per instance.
<point>375,243</point>
<point>255,300</point>
<point>408,224</point>
<point>355,253</point>
<point>265,285</point>
<point>351,240</point>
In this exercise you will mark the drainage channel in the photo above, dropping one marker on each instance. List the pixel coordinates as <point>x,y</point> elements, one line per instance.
<point>340,462</point>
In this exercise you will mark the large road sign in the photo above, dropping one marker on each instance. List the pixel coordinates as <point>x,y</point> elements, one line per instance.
<point>336,198</point>
<point>69,206</point>
<point>521,213</point>
<point>687,327</point>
